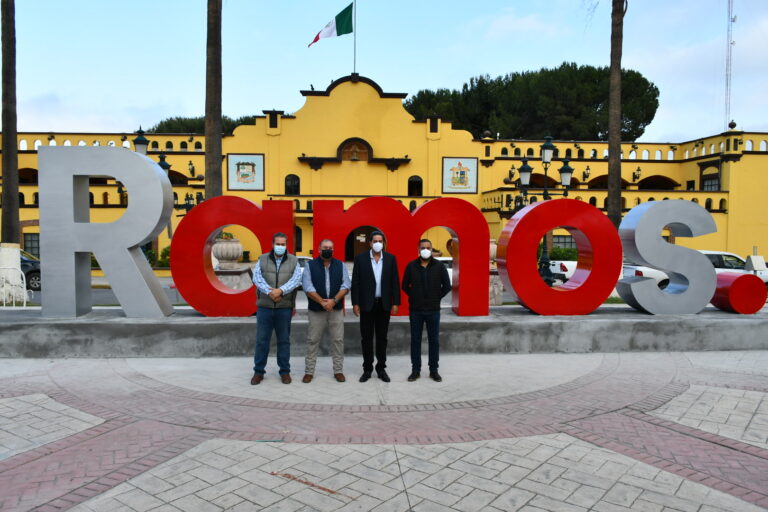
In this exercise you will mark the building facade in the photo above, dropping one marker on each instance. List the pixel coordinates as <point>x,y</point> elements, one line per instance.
<point>353,141</point>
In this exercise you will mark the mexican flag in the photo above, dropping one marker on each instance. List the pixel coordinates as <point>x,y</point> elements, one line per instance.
<point>338,26</point>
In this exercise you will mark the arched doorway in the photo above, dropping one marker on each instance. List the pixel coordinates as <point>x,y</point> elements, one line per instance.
<point>358,241</point>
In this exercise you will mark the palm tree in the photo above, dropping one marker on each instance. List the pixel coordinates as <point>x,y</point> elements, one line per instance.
<point>213,102</point>
<point>11,230</point>
<point>618,10</point>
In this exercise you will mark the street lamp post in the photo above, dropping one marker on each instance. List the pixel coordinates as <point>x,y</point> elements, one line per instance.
<point>566,172</point>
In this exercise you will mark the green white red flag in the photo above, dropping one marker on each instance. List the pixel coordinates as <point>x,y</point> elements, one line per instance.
<point>338,26</point>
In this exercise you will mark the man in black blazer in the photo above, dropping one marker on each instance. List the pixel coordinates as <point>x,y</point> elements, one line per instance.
<point>375,296</point>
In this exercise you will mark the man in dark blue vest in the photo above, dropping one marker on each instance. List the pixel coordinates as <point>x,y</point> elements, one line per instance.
<point>326,282</point>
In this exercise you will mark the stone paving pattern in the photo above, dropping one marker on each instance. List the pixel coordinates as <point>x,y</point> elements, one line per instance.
<point>629,431</point>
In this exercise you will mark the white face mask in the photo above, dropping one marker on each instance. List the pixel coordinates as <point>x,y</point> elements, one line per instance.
<point>377,246</point>
<point>425,254</point>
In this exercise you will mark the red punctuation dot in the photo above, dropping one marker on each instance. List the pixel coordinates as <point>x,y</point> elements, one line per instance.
<point>739,293</point>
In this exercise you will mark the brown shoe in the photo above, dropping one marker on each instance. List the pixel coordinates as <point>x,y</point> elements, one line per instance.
<point>340,377</point>
<point>286,378</point>
<point>256,379</point>
<point>307,379</point>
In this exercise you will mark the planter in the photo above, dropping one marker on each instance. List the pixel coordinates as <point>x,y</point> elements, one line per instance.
<point>228,252</point>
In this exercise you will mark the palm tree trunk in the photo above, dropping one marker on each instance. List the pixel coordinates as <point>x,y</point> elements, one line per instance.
<point>213,156</point>
<point>11,230</point>
<point>618,9</point>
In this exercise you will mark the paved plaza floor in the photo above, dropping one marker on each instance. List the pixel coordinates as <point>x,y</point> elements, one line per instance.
<point>651,431</point>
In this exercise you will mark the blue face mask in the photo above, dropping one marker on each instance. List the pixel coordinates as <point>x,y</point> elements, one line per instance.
<point>279,250</point>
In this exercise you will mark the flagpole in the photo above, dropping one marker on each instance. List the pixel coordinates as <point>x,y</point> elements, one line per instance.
<point>354,30</point>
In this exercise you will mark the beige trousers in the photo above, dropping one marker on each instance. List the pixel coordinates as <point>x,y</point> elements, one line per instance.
<point>319,321</point>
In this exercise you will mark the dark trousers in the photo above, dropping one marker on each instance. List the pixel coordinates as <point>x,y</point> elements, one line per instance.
<point>432,320</point>
<point>373,322</point>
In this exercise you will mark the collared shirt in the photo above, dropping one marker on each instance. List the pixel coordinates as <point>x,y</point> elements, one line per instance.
<point>306,279</point>
<point>263,286</point>
<point>377,267</point>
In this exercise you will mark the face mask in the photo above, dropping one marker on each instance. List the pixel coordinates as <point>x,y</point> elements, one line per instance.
<point>279,250</point>
<point>425,254</point>
<point>377,246</point>
<point>326,254</point>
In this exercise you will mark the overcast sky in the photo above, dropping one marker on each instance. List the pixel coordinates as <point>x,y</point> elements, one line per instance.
<point>96,65</point>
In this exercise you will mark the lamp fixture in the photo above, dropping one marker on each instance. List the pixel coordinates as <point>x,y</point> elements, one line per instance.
<point>191,168</point>
<point>51,136</point>
<point>191,138</point>
<point>634,146</point>
<point>673,147</point>
<point>140,143</point>
<point>512,144</point>
<point>123,138</point>
<point>636,174</point>
<point>585,174</point>
<point>577,145</point>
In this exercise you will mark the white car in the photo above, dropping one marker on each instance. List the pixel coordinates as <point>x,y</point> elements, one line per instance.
<point>722,261</point>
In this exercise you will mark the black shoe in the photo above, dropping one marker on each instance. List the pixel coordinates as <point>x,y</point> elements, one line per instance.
<point>383,376</point>
<point>365,376</point>
<point>435,377</point>
<point>413,376</point>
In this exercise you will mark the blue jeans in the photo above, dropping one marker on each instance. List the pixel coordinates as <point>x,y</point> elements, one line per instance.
<point>418,319</point>
<point>268,320</point>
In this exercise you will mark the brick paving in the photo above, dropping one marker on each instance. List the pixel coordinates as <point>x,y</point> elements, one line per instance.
<point>604,432</point>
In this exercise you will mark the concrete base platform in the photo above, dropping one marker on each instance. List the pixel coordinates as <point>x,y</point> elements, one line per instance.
<point>508,329</point>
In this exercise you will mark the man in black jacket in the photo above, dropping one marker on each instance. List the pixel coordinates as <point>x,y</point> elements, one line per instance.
<point>375,296</point>
<point>425,282</point>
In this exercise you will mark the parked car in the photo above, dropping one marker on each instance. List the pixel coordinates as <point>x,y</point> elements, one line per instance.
<point>448,262</point>
<point>30,265</point>
<point>722,261</point>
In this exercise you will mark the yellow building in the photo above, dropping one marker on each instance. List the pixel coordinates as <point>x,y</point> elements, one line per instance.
<point>354,141</point>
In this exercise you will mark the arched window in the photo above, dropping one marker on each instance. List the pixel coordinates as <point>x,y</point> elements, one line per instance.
<point>183,146</point>
<point>111,144</point>
<point>175,198</point>
<point>198,146</point>
<point>593,201</point>
<point>529,152</point>
<point>686,154</point>
<point>21,199</point>
<point>646,154</point>
<point>605,153</point>
<point>127,144</point>
<point>38,143</point>
<point>154,145</point>
<point>67,142</point>
<point>412,205</point>
<point>517,151</point>
<point>723,205</point>
<point>657,156</point>
<point>580,154</point>
<point>91,200</point>
<point>81,142</point>
<point>637,201</point>
<point>763,145</point>
<point>22,145</point>
<point>354,150</point>
<point>670,155</point>
<point>415,186</point>
<point>105,197</point>
<point>747,146</point>
<point>568,153</point>
<point>169,146</point>
<point>695,200</point>
<point>292,185</point>
<point>96,143</point>
<point>36,198</point>
<point>711,148</point>
<point>633,155</point>
<point>504,152</point>
<point>708,205</point>
<point>52,142</point>
<point>605,203</point>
